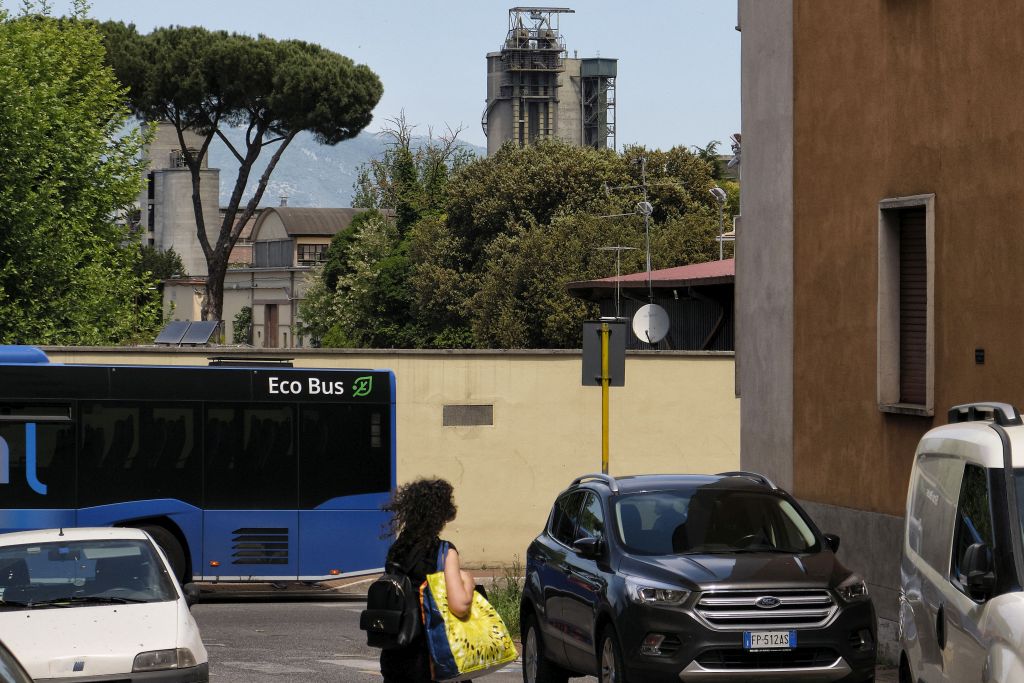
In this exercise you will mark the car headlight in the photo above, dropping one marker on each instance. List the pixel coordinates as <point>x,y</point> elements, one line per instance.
<point>157,660</point>
<point>853,589</point>
<point>646,592</point>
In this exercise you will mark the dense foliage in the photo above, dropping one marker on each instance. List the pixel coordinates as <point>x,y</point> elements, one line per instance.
<point>481,250</point>
<point>69,268</point>
<point>202,80</point>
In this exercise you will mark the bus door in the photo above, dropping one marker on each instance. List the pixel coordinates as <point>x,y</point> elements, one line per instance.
<point>346,472</point>
<point>250,518</point>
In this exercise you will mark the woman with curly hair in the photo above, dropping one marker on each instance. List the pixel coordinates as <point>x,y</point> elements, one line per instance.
<point>420,510</point>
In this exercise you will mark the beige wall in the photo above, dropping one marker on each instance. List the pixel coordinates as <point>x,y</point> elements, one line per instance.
<point>677,413</point>
<point>269,227</point>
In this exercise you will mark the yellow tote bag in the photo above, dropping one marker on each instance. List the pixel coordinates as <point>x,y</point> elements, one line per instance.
<point>461,649</point>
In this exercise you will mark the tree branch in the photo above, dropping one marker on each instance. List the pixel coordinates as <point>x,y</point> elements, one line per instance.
<point>231,147</point>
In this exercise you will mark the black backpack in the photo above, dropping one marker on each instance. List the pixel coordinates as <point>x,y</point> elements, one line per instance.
<point>392,614</point>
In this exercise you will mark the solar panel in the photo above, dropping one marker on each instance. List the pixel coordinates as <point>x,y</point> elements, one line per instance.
<point>200,331</point>
<point>173,333</point>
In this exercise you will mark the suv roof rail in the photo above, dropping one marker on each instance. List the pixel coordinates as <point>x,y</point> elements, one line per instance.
<point>759,478</point>
<point>1002,414</point>
<point>606,478</point>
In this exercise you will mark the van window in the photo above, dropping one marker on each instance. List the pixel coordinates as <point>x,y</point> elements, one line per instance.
<point>933,509</point>
<point>973,520</point>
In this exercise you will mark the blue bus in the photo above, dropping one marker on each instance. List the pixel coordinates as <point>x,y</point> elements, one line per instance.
<point>241,471</point>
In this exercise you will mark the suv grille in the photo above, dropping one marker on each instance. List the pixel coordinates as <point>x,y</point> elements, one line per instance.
<point>801,657</point>
<point>739,610</point>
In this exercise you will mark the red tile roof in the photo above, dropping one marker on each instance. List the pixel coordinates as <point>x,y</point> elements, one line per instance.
<point>709,273</point>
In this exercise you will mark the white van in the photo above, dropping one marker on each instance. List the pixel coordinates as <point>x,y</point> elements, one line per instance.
<point>99,605</point>
<point>961,600</point>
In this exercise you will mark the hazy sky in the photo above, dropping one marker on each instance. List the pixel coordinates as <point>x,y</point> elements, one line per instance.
<point>678,68</point>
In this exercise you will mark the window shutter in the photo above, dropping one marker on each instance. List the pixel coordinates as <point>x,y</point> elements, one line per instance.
<point>913,307</point>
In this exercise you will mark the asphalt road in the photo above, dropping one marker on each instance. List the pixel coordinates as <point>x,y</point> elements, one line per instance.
<point>311,642</point>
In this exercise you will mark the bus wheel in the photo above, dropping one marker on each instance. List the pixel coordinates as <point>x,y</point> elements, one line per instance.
<point>172,549</point>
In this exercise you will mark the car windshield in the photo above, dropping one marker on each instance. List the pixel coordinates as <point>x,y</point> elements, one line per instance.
<point>74,573</point>
<point>710,519</point>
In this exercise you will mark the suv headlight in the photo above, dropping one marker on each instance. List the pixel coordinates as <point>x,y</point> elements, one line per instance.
<point>646,592</point>
<point>853,589</point>
<point>157,660</point>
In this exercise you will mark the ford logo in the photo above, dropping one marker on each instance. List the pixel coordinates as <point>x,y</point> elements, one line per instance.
<point>768,602</point>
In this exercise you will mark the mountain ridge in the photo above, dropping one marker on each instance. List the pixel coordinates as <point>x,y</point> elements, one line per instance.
<point>308,174</point>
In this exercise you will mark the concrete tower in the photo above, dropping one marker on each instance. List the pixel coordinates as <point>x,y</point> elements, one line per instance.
<point>166,215</point>
<point>535,92</point>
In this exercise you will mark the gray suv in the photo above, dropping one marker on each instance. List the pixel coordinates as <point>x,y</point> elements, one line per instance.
<point>693,578</point>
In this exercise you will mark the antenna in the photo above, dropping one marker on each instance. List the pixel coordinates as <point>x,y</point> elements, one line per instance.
<point>650,324</point>
<point>618,282</point>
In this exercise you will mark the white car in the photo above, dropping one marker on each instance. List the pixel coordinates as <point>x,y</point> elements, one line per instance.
<point>961,605</point>
<point>98,604</point>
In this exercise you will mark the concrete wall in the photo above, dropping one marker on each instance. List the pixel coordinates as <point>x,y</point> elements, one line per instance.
<point>499,111</point>
<point>677,413</point>
<point>764,253</point>
<point>569,113</point>
<point>174,223</point>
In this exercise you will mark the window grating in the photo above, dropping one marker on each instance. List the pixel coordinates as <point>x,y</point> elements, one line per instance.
<point>468,415</point>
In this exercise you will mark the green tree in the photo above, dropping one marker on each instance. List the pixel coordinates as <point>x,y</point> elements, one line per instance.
<point>371,301</point>
<point>365,294</point>
<point>483,255</point>
<point>67,264</point>
<point>242,329</point>
<point>202,80</point>
<point>162,265</point>
<point>411,176</point>
<point>709,154</point>
<point>536,216</point>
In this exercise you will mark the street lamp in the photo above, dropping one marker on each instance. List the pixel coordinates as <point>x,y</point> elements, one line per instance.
<point>720,197</point>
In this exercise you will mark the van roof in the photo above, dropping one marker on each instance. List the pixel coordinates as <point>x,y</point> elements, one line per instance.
<point>975,442</point>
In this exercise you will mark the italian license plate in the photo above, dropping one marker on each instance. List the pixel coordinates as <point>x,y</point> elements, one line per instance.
<point>769,640</point>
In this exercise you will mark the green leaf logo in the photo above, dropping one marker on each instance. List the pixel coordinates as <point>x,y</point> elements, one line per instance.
<point>362,386</point>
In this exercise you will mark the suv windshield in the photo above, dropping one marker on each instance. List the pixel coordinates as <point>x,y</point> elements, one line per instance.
<point>75,573</point>
<point>707,520</point>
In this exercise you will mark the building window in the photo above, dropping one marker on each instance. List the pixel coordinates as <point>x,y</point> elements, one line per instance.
<point>906,340</point>
<point>311,254</point>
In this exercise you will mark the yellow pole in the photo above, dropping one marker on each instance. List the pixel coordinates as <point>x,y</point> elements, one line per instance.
<point>605,381</point>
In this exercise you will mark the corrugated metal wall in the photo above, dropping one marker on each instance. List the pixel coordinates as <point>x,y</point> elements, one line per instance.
<point>692,320</point>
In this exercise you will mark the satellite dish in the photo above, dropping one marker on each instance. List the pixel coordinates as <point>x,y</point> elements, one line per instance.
<point>650,324</point>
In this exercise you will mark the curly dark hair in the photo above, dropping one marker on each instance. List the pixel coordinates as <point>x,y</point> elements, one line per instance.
<point>419,510</point>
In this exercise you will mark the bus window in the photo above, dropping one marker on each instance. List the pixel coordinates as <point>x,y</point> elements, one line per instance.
<point>139,451</point>
<point>250,458</point>
<point>345,451</point>
<point>37,465</point>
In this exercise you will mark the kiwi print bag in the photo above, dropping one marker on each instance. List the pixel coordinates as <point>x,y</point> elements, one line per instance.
<point>462,649</point>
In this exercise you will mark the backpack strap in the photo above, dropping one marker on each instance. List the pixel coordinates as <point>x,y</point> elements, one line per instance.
<point>395,567</point>
<point>442,554</point>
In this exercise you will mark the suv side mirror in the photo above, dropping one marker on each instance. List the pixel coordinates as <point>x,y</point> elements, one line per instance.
<point>191,592</point>
<point>833,542</point>
<point>978,568</point>
<point>589,546</point>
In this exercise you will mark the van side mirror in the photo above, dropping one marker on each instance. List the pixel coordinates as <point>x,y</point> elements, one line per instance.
<point>589,547</point>
<point>833,542</point>
<point>191,592</point>
<point>978,568</point>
